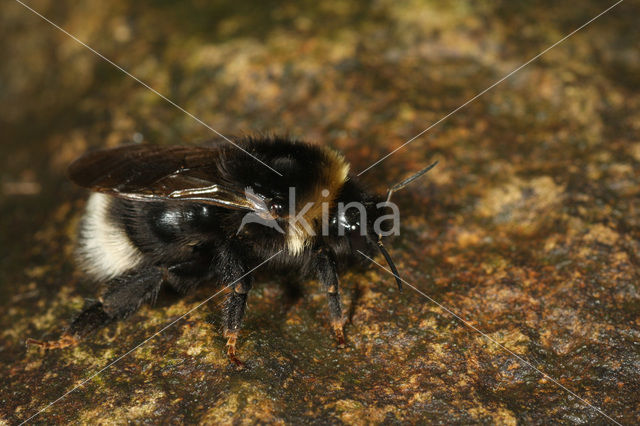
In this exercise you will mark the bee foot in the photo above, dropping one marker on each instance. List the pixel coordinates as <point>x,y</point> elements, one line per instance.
<point>64,341</point>
<point>239,365</point>
<point>339,333</point>
<point>231,350</point>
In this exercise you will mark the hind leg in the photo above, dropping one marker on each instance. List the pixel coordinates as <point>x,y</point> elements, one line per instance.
<point>122,298</point>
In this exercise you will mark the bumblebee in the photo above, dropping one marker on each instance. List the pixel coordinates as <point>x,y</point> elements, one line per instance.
<point>185,215</point>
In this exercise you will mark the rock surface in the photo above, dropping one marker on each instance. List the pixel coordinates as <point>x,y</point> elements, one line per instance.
<point>528,229</point>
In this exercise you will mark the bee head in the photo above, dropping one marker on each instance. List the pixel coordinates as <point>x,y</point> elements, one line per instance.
<point>364,219</point>
<point>360,219</point>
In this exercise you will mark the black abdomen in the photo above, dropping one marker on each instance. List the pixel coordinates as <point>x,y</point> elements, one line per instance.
<point>170,223</point>
<point>168,231</point>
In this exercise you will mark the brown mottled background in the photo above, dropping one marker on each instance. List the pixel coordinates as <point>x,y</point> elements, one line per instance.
<point>529,228</point>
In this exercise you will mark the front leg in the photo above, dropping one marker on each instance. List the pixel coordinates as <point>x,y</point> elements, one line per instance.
<point>328,275</point>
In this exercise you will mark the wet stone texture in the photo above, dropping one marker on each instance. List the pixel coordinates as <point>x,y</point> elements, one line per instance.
<point>528,229</point>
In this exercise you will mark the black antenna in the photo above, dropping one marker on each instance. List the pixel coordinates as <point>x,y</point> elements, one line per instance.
<point>393,189</point>
<point>396,274</point>
<point>408,180</point>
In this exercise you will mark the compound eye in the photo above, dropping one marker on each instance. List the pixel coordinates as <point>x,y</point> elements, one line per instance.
<point>276,208</point>
<point>347,222</point>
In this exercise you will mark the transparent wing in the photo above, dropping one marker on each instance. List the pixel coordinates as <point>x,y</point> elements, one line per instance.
<point>151,173</point>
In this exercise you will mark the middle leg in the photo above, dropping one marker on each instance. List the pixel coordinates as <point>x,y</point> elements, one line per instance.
<point>234,309</point>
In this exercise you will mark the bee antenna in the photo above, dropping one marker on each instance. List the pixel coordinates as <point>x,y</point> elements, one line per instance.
<point>396,274</point>
<point>408,180</point>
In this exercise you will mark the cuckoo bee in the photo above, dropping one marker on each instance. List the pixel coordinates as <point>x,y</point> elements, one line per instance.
<point>185,215</point>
